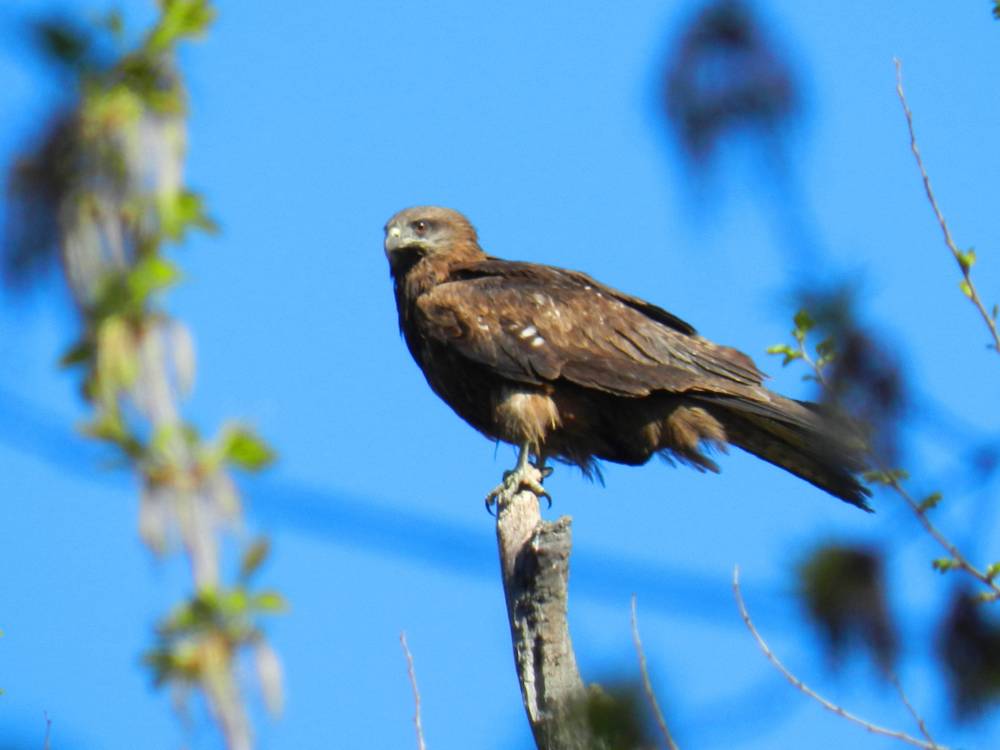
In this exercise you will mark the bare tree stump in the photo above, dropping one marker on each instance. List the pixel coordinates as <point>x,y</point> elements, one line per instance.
<point>534,561</point>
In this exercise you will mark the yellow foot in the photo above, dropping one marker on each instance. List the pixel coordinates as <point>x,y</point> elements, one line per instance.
<point>526,476</point>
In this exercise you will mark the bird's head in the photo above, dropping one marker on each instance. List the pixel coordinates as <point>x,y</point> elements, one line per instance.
<point>428,231</point>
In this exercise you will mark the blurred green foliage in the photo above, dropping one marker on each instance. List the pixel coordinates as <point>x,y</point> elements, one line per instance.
<point>104,194</point>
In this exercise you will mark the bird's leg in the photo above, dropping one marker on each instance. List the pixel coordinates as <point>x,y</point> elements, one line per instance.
<point>525,475</point>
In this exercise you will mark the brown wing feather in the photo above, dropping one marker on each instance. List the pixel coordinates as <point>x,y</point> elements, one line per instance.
<point>535,323</point>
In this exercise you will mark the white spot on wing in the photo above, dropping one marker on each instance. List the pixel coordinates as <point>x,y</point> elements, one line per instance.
<point>537,341</point>
<point>528,332</point>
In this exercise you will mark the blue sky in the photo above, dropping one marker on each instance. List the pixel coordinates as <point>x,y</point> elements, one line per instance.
<point>311,124</point>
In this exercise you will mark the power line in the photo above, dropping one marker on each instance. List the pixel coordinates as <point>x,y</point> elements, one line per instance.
<point>375,526</point>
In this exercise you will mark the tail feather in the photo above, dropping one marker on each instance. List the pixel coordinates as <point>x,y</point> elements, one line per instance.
<point>821,448</point>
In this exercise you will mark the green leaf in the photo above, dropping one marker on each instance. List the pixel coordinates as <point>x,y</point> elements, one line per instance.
<point>930,501</point>
<point>993,571</point>
<point>887,476</point>
<point>181,18</point>
<point>235,601</point>
<point>242,447</point>
<point>803,322</point>
<point>967,259</point>
<point>254,557</point>
<point>996,9</point>
<point>182,211</point>
<point>78,354</point>
<point>152,274</point>
<point>943,564</point>
<point>966,288</point>
<point>789,353</point>
<point>269,601</point>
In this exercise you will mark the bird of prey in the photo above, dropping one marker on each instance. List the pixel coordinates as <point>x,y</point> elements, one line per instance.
<point>564,367</point>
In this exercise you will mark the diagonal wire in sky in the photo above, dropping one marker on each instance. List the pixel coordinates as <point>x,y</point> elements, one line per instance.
<point>375,526</point>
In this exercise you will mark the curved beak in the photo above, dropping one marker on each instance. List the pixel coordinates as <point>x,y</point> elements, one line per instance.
<point>393,238</point>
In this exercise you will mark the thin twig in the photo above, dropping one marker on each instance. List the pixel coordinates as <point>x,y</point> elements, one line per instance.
<point>957,557</point>
<point>647,685</point>
<point>802,687</point>
<point>47,745</point>
<point>921,724</point>
<point>416,692</point>
<point>963,261</point>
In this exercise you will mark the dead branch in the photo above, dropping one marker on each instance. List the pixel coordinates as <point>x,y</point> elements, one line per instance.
<point>647,684</point>
<point>416,692</point>
<point>921,724</point>
<point>534,563</point>
<point>802,687</point>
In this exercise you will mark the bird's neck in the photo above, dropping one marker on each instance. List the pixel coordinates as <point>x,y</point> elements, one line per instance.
<point>413,278</point>
<point>414,275</point>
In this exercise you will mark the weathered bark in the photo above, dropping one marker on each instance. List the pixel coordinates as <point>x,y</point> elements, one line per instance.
<point>534,561</point>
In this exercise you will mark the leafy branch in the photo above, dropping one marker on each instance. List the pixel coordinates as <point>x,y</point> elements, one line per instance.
<point>109,177</point>
<point>964,258</point>
<point>892,478</point>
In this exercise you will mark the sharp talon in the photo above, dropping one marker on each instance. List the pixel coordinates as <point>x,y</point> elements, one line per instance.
<point>547,471</point>
<point>522,477</point>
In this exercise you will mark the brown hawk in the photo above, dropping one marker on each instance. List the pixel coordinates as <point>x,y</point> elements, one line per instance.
<point>567,368</point>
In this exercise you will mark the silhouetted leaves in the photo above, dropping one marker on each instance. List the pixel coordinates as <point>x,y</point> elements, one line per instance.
<point>36,186</point>
<point>843,589</point>
<point>969,646</point>
<point>65,41</point>
<point>614,717</point>
<point>725,76</point>
<point>863,378</point>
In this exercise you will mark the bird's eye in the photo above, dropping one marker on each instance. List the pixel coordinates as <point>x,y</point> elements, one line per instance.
<point>420,227</point>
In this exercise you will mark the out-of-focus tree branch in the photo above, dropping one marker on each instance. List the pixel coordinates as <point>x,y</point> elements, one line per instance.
<point>106,189</point>
<point>805,689</point>
<point>647,684</point>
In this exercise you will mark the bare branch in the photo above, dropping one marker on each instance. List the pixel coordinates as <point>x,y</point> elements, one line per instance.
<point>802,687</point>
<point>416,692</point>
<point>921,724</point>
<point>963,259</point>
<point>647,684</point>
